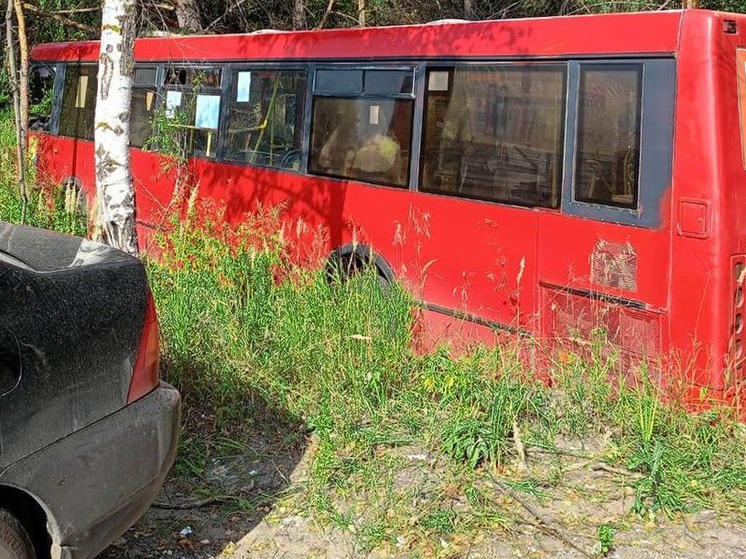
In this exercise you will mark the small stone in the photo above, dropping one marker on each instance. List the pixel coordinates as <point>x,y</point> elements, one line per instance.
<point>204,542</point>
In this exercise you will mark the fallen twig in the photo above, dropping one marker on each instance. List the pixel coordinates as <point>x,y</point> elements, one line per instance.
<point>195,504</point>
<point>559,451</point>
<point>541,523</point>
<point>519,448</point>
<point>600,466</point>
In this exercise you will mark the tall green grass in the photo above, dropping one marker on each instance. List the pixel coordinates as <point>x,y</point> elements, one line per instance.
<point>339,358</point>
<point>46,206</point>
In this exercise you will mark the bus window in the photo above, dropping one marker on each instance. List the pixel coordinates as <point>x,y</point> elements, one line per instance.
<point>78,102</point>
<point>608,137</point>
<point>41,97</point>
<point>495,132</point>
<point>194,77</point>
<point>367,136</point>
<point>192,109</point>
<point>389,81</point>
<point>339,81</point>
<point>265,117</point>
<point>144,91</point>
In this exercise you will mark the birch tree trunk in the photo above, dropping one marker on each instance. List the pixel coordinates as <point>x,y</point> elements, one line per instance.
<point>22,68</point>
<point>20,126</point>
<point>114,188</point>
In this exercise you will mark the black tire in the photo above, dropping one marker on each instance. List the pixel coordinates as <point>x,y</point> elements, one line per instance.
<point>344,264</point>
<point>14,540</point>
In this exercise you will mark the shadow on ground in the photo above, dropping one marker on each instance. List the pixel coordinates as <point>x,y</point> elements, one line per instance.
<point>223,483</point>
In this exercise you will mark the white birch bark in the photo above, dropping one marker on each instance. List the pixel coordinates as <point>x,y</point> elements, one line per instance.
<point>114,188</point>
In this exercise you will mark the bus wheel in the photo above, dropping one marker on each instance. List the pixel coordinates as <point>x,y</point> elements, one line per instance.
<point>351,260</point>
<point>75,199</point>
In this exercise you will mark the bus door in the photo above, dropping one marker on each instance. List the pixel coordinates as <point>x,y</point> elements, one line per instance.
<point>491,149</point>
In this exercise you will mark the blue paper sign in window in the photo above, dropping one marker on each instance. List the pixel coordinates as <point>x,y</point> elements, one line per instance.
<point>207,111</point>
<point>243,88</point>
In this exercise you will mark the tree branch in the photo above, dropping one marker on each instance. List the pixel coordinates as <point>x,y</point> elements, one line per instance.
<point>228,11</point>
<point>329,8</point>
<point>77,10</point>
<point>62,19</point>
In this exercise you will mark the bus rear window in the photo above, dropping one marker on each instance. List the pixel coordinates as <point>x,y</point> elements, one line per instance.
<point>495,132</point>
<point>608,138</point>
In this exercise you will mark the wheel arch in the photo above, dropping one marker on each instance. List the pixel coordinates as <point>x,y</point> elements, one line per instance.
<point>366,255</point>
<point>75,195</point>
<point>32,515</point>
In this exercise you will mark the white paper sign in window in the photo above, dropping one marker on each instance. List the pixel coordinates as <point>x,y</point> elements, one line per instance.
<point>207,111</point>
<point>243,87</point>
<point>80,94</point>
<point>373,117</point>
<point>173,101</point>
<point>437,81</point>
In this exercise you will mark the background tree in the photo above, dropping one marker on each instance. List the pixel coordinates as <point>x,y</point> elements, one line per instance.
<point>114,188</point>
<point>187,15</point>
<point>299,14</point>
<point>18,81</point>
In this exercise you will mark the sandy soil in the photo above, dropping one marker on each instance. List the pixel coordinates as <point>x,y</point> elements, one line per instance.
<point>260,525</point>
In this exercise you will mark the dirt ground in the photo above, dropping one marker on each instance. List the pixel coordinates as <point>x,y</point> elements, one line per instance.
<point>202,521</point>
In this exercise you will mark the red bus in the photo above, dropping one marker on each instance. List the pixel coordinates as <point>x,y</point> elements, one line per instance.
<point>545,177</point>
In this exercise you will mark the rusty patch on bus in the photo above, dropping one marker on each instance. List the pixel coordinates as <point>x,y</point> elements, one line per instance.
<point>614,265</point>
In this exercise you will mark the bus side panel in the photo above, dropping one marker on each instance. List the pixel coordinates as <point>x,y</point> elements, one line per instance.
<point>61,159</point>
<point>729,50</point>
<point>607,279</point>
<point>699,299</point>
<point>464,256</point>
